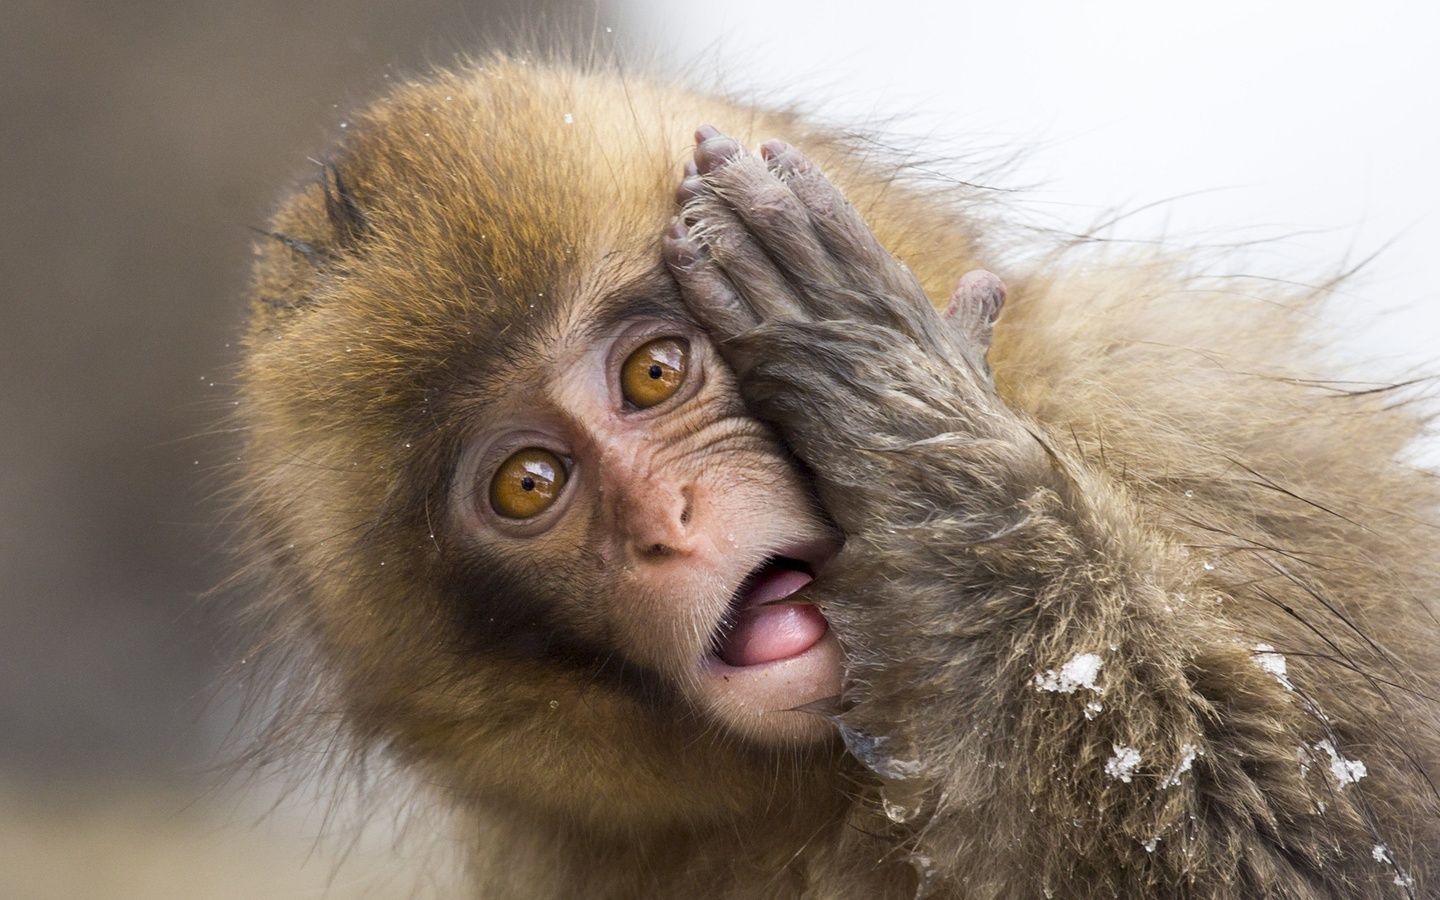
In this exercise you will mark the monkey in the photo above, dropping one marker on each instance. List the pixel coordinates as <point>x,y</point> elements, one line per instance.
<point>704,522</point>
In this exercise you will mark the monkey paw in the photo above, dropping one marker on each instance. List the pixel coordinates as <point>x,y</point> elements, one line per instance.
<point>769,239</point>
<point>833,339</point>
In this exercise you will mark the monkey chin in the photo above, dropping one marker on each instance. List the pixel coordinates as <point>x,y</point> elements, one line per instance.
<point>765,702</point>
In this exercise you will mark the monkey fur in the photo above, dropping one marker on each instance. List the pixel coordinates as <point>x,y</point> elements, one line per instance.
<point>1137,597</point>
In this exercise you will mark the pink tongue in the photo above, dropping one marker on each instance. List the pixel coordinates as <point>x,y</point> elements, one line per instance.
<point>763,634</point>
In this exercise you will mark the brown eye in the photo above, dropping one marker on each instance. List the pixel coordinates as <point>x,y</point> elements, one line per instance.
<point>652,374</point>
<point>527,483</point>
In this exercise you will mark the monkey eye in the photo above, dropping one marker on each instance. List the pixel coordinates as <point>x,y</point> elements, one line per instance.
<point>652,374</point>
<point>527,483</point>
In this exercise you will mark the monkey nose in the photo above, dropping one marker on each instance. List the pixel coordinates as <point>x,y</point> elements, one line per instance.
<point>656,520</point>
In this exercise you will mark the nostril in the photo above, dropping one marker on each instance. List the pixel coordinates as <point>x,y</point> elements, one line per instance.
<point>687,504</point>
<point>657,521</point>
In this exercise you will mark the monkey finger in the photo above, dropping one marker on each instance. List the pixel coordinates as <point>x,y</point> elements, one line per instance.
<point>977,300</point>
<point>691,186</point>
<point>840,228</point>
<point>777,219</point>
<point>707,290</point>
<point>713,149</point>
<point>972,311</point>
<point>754,275</point>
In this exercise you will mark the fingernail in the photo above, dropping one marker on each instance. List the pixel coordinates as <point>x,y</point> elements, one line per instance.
<point>783,155</point>
<point>705,133</point>
<point>772,149</point>
<point>680,253</point>
<point>714,151</point>
<point>689,189</point>
<point>683,256</point>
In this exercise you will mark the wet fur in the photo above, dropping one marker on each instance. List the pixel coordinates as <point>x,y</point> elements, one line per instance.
<point>1217,490</point>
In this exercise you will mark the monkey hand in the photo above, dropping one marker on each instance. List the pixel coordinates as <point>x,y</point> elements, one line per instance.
<point>837,344</point>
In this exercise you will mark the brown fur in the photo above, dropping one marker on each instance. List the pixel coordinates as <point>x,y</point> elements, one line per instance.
<point>1219,493</point>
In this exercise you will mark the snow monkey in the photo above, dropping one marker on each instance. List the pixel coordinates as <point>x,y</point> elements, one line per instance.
<point>660,501</point>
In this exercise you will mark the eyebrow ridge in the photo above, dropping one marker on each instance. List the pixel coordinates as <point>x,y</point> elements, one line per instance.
<point>654,295</point>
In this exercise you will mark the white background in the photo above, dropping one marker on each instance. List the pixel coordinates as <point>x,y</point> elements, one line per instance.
<point>1309,127</point>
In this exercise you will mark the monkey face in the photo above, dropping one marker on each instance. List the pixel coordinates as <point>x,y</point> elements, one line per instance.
<point>517,516</point>
<point>661,522</point>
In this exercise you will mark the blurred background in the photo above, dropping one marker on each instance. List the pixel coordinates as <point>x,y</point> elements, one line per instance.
<point>140,140</point>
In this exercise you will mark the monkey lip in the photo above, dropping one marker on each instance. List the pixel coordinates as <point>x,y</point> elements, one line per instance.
<point>759,627</point>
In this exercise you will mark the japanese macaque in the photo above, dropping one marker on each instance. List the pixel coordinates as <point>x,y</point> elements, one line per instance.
<point>670,511</point>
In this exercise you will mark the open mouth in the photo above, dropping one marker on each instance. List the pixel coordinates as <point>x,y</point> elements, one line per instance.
<point>761,626</point>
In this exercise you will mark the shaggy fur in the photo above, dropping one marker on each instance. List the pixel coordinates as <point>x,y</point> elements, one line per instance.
<point>1132,631</point>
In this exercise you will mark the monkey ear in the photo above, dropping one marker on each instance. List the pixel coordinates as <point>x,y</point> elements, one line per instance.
<point>345,215</point>
<point>973,309</point>
<point>346,220</point>
<point>306,236</point>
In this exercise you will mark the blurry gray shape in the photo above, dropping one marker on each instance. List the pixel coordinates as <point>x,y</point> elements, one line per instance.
<point>141,140</point>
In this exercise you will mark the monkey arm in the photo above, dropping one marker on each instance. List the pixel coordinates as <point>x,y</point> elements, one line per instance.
<point>1036,675</point>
